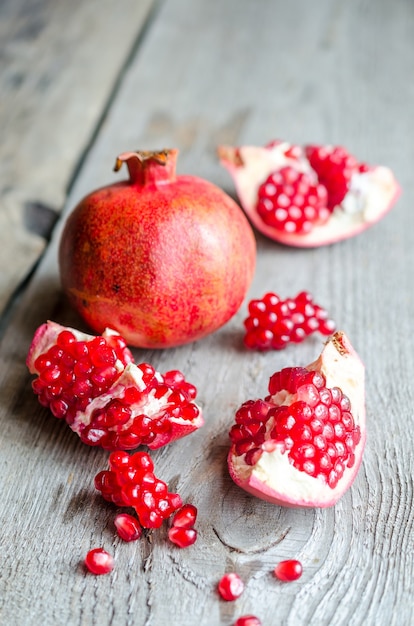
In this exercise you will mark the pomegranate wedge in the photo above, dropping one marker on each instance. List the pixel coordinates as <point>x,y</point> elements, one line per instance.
<point>311,196</point>
<point>302,445</point>
<point>108,400</point>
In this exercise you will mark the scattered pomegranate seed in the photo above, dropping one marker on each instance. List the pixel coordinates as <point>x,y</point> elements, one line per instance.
<point>288,570</point>
<point>127,527</point>
<point>248,620</point>
<point>182,532</point>
<point>290,201</point>
<point>316,430</point>
<point>334,167</point>
<point>185,517</point>
<point>230,586</point>
<point>130,481</point>
<point>98,561</point>
<point>273,323</point>
<point>182,537</point>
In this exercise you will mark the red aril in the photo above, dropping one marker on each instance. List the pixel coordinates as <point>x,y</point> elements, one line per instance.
<point>127,527</point>
<point>108,400</point>
<point>302,445</point>
<point>273,323</point>
<point>130,482</point>
<point>99,561</point>
<point>230,586</point>
<point>248,620</point>
<point>292,201</point>
<point>163,259</point>
<point>185,517</point>
<point>182,532</point>
<point>182,537</point>
<point>335,168</point>
<point>288,570</point>
<point>297,212</point>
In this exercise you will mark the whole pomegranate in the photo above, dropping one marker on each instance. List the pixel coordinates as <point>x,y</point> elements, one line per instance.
<point>162,259</point>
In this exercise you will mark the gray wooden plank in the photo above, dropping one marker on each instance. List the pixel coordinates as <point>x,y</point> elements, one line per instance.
<point>59,63</point>
<point>237,72</point>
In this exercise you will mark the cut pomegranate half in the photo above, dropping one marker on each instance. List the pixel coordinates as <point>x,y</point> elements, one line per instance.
<point>302,445</point>
<point>280,187</point>
<point>108,400</point>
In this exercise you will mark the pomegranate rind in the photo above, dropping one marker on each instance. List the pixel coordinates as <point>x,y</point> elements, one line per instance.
<point>372,194</point>
<point>274,478</point>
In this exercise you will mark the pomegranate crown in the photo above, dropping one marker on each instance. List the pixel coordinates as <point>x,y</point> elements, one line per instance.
<point>149,166</point>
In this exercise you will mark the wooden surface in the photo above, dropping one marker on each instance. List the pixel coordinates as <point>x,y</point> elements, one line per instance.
<point>60,64</point>
<point>207,73</point>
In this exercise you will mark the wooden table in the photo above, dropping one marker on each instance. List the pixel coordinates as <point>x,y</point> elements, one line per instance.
<point>82,82</point>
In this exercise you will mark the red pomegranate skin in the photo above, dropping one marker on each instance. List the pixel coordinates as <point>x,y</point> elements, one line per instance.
<point>164,260</point>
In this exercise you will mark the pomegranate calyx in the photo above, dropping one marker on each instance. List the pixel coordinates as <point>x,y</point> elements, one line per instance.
<point>147,167</point>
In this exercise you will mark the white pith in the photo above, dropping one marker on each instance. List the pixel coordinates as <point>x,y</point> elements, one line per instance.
<point>369,197</point>
<point>131,377</point>
<point>274,474</point>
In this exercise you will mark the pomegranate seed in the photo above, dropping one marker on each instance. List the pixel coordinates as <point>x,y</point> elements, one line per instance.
<point>127,527</point>
<point>185,517</point>
<point>290,201</point>
<point>248,620</point>
<point>182,537</point>
<point>98,561</point>
<point>273,323</point>
<point>288,570</point>
<point>130,481</point>
<point>334,167</point>
<point>230,586</point>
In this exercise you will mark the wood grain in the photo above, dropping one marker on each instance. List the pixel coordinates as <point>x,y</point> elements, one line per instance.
<point>236,72</point>
<point>59,64</point>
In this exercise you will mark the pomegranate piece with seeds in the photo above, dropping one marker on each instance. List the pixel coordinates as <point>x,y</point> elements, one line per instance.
<point>131,482</point>
<point>108,400</point>
<point>99,561</point>
<point>302,445</point>
<point>288,570</point>
<point>273,323</point>
<point>308,196</point>
<point>230,586</point>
